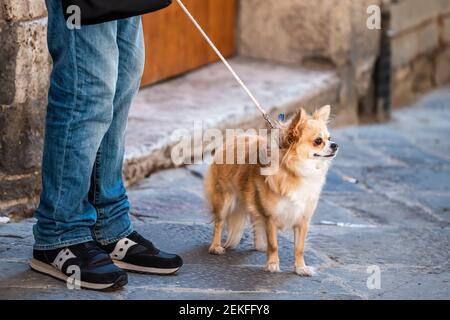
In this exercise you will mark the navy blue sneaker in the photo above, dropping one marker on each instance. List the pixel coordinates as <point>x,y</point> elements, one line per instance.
<point>137,254</point>
<point>86,265</point>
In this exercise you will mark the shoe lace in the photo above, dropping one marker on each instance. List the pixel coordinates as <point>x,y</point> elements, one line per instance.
<point>146,243</point>
<point>91,249</point>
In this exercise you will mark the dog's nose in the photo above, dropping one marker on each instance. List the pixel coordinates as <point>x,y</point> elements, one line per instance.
<point>334,146</point>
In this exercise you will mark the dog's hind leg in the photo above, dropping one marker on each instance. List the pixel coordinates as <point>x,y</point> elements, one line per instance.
<point>222,208</point>
<point>216,244</point>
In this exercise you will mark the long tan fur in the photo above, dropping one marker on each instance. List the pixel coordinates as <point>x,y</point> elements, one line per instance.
<point>285,200</point>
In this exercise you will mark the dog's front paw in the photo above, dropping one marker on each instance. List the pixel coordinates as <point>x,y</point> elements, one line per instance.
<point>273,267</point>
<point>217,250</point>
<point>304,271</point>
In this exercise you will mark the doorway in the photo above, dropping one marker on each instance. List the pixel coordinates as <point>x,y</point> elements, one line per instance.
<point>174,46</point>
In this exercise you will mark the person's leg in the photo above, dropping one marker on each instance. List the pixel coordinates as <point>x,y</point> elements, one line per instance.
<point>129,250</point>
<point>79,113</point>
<point>108,194</point>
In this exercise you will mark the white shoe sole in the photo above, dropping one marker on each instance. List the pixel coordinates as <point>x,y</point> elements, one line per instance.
<point>131,267</point>
<point>55,273</point>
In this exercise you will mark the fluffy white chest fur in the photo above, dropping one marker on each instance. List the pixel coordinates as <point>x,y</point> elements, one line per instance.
<point>291,208</point>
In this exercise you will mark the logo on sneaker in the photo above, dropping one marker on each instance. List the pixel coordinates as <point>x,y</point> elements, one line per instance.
<point>121,248</point>
<point>62,257</point>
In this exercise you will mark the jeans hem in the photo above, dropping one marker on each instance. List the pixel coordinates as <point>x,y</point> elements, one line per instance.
<point>122,235</point>
<point>62,244</point>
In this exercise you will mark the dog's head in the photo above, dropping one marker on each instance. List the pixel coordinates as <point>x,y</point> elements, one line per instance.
<point>307,137</point>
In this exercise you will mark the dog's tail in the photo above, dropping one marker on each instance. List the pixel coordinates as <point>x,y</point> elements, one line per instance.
<point>235,226</point>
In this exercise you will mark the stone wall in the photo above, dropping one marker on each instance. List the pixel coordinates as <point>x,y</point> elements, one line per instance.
<point>325,32</point>
<point>24,69</point>
<point>420,41</point>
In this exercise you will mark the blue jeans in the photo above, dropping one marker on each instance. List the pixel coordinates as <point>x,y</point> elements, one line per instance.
<point>96,74</point>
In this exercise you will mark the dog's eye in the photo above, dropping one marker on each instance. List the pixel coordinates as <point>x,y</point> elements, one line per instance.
<point>318,141</point>
<point>329,138</point>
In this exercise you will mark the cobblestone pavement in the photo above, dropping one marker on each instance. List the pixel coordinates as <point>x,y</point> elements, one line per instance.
<point>397,218</point>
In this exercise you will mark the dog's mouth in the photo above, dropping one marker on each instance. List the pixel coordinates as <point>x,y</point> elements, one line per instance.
<point>331,155</point>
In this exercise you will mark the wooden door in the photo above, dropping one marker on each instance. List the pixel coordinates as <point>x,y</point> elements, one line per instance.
<point>173,44</point>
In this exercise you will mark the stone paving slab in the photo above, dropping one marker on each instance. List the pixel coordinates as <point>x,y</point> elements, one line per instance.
<point>396,217</point>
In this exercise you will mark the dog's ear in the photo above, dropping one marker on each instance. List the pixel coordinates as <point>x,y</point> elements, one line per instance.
<point>322,114</point>
<point>294,131</point>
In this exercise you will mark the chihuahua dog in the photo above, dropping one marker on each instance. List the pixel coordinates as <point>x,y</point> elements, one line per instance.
<point>283,200</point>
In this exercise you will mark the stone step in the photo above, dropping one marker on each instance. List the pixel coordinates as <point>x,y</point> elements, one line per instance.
<point>211,95</point>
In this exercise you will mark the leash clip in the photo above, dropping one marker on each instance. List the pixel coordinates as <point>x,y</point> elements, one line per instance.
<point>270,121</point>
